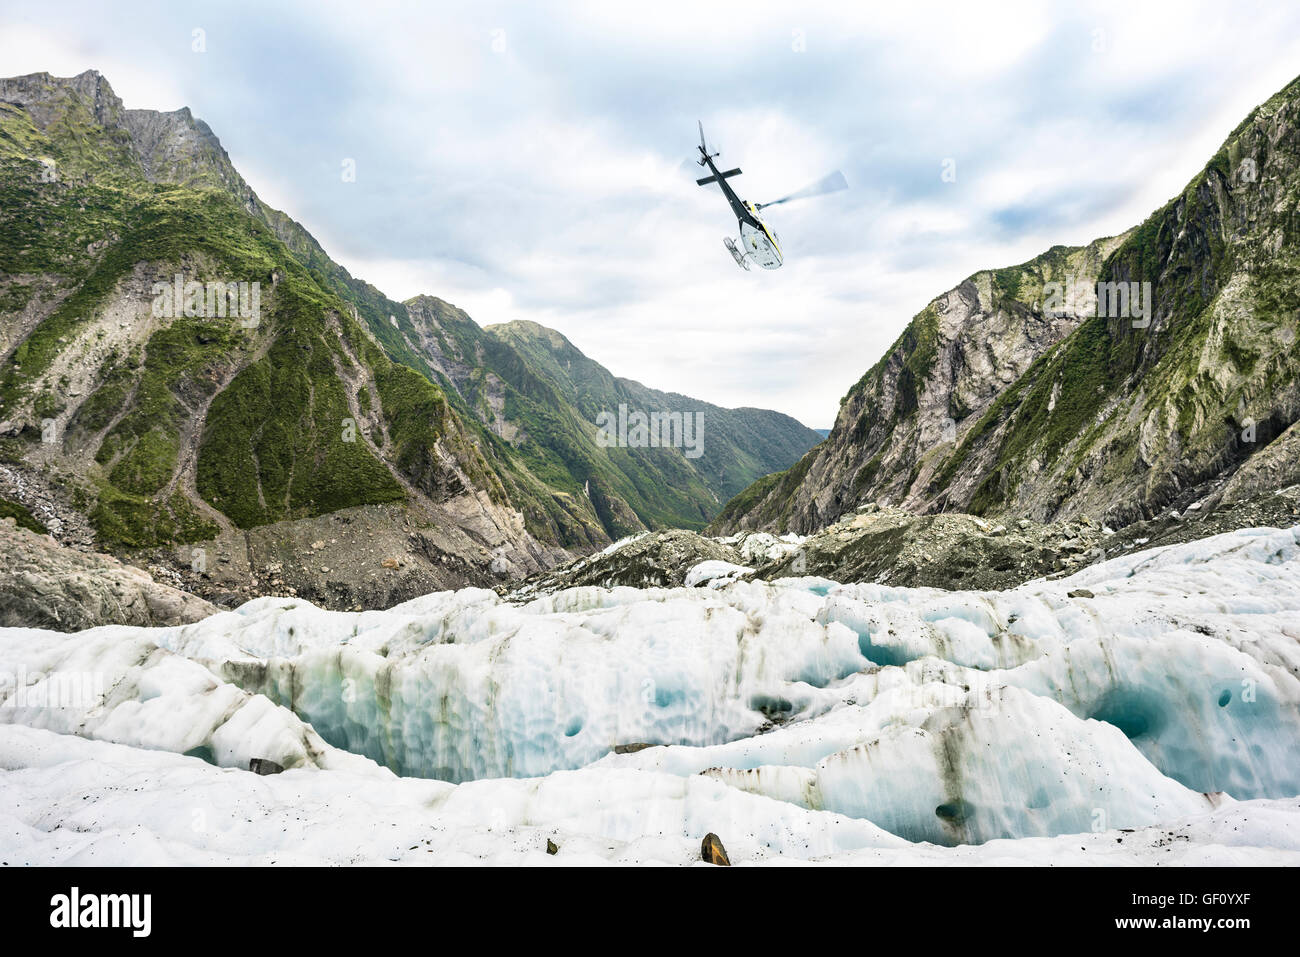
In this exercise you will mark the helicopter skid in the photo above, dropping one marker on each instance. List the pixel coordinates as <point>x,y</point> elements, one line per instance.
<point>736,254</point>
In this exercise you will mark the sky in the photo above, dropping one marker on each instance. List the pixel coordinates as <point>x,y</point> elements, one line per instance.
<point>528,160</point>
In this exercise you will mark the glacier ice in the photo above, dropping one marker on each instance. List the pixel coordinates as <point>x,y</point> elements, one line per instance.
<point>72,801</point>
<point>121,685</point>
<point>917,715</point>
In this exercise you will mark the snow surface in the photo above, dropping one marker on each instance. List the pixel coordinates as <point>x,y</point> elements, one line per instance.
<point>1156,721</point>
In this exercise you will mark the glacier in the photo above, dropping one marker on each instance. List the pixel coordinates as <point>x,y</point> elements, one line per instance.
<point>801,720</point>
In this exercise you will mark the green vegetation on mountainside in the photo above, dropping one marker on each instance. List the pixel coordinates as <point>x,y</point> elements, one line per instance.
<point>273,445</point>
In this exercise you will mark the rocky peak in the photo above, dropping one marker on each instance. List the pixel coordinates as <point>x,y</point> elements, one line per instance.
<point>44,96</point>
<point>529,331</point>
<point>170,147</point>
<point>176,148</point>
<point>447,338</point>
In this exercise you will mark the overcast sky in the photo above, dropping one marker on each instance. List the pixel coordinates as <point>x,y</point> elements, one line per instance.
<point>524,161</point>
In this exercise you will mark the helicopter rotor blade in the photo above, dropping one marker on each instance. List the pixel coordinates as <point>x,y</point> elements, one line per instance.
<point>705,152</point>
<point>831,183</point>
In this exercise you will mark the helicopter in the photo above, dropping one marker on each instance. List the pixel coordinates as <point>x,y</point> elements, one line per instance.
<point>758,242</point>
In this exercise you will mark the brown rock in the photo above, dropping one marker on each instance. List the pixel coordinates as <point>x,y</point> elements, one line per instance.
<point>711,850</point>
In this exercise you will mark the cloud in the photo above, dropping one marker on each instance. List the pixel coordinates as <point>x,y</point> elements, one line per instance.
<point>525,161</point>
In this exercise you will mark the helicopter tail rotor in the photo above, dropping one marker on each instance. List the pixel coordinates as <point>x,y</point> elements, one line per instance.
<point>705,154</point>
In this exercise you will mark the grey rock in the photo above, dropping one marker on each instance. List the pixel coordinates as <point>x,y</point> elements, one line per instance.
<point>885,545</point>
<point>45,585</point>
<point>655,559</point>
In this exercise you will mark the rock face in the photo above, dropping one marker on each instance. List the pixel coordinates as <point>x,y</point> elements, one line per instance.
<point>893,546</point>
<point>890,546</point>
<point>43,585</point>
<point>1018,394</point>
<point>171,147</point>
<point>648,560</point>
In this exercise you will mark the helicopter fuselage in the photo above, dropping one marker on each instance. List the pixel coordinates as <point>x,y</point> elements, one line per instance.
<point>757,240</point>
<point>760,244</point>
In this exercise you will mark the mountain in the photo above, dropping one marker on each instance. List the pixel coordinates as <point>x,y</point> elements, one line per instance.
<point>1020,393</point>
<point>538,393</point>
<point>187,377</point>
